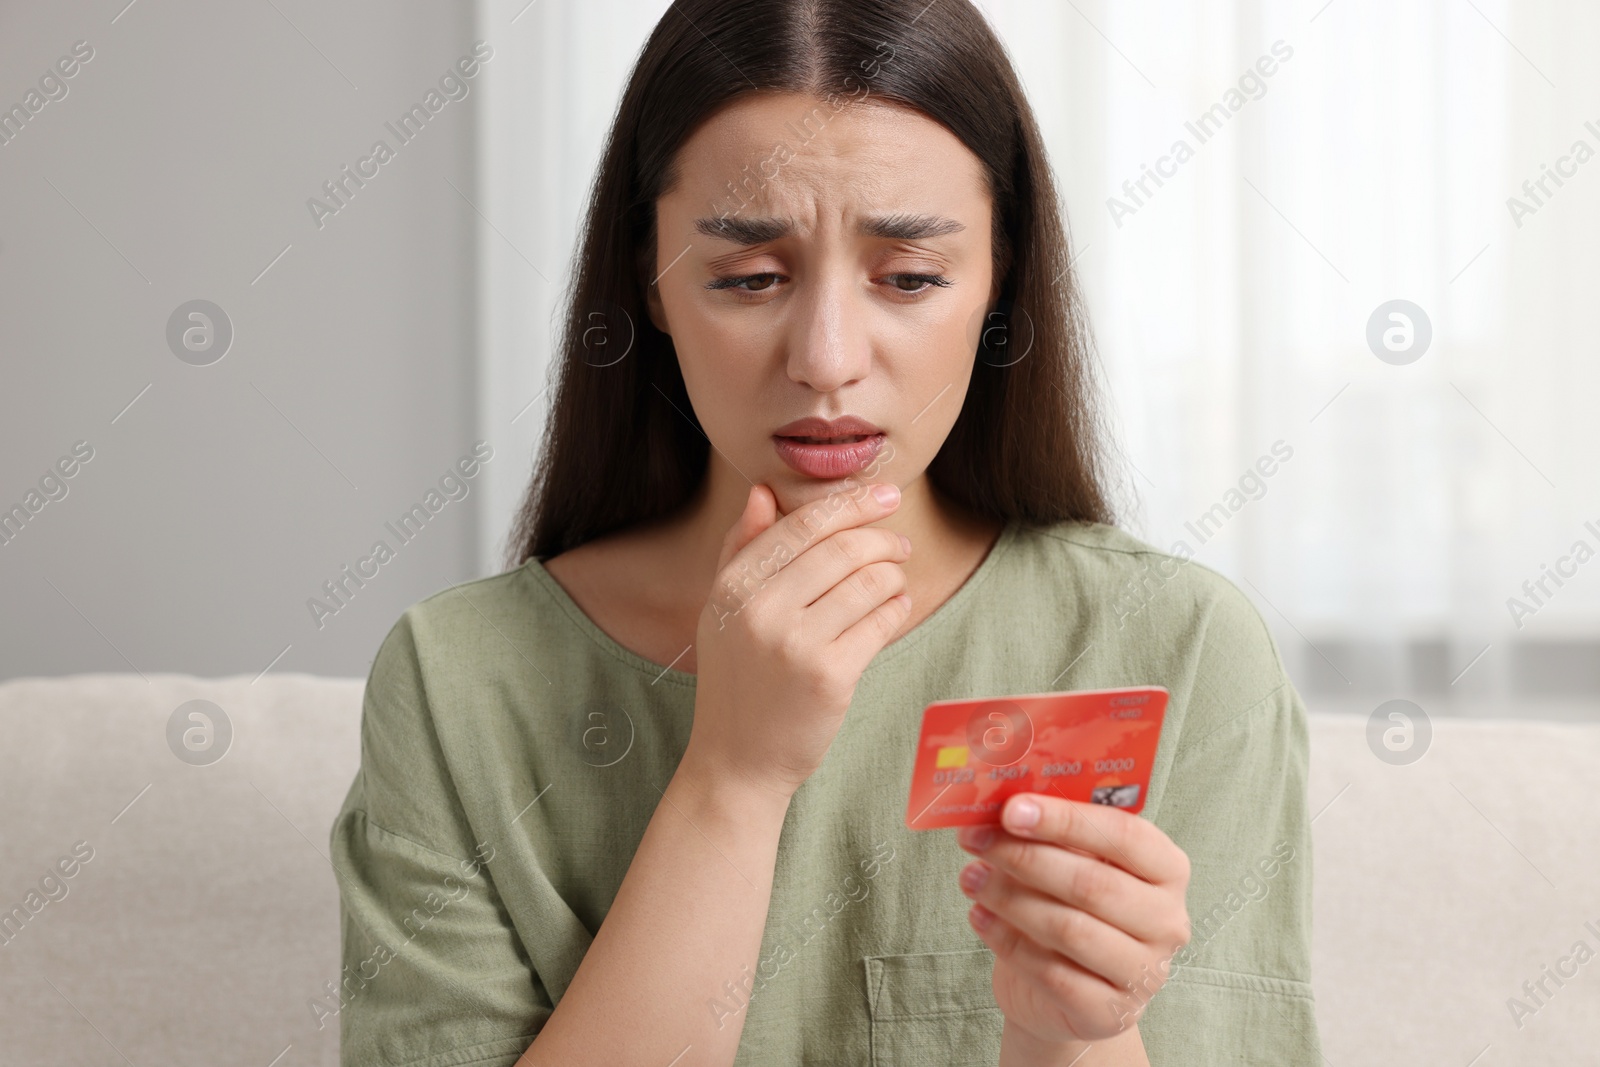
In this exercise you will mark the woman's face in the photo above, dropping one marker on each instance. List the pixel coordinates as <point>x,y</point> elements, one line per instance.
<point>813,262</point>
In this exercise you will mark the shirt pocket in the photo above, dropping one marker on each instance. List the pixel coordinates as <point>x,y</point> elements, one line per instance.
<point>933,1007</point>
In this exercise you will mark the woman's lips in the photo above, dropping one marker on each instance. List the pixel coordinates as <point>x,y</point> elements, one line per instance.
<point>819,460</point>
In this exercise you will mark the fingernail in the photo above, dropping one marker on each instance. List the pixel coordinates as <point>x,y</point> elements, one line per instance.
<point>1022,814</point>
<point>886,493</point>
<point>977,838</point>
<point>980,916</point>
<point>905,542</point>
<point>974,875</point>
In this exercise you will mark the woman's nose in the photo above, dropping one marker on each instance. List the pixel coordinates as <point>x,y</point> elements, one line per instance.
<point>828,335</point>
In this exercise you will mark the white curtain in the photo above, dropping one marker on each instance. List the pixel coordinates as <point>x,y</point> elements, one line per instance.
<point>1340,156</point>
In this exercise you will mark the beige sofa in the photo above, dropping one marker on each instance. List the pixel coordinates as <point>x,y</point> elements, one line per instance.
<point>199,921</point>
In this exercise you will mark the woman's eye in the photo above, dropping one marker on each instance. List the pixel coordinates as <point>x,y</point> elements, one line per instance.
<point>766,282</point>
<point>919,283</point>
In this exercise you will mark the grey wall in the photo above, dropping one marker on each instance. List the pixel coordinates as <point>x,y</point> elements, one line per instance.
<point>220,498</point>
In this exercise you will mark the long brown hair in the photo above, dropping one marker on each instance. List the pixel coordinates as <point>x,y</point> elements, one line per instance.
<point>622,444</point>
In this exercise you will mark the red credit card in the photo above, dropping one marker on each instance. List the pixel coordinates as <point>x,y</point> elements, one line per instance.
<point>1093,745</point>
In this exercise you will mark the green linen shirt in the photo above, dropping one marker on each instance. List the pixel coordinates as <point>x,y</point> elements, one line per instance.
<point>512,754</point>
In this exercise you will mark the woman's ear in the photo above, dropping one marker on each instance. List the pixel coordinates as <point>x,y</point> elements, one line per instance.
<point>658,313</point>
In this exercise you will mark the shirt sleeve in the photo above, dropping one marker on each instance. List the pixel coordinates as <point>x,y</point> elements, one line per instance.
<point>434,973</point>
<point>1235,802</point>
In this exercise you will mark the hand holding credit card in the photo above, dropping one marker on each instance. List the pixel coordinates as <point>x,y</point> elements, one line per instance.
<point>1090,745</point>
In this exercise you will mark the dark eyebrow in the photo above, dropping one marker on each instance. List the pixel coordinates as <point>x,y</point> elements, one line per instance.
<point>744,231</point>
<point>756,231</point>
<point>909,227</point>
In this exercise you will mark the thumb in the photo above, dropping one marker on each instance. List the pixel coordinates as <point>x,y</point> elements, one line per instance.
<point>760,512</point>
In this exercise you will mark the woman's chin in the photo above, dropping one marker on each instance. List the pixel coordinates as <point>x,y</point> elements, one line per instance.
<point>793,491</point>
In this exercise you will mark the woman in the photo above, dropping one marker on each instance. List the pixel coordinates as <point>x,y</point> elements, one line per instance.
<point>640,798</point>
